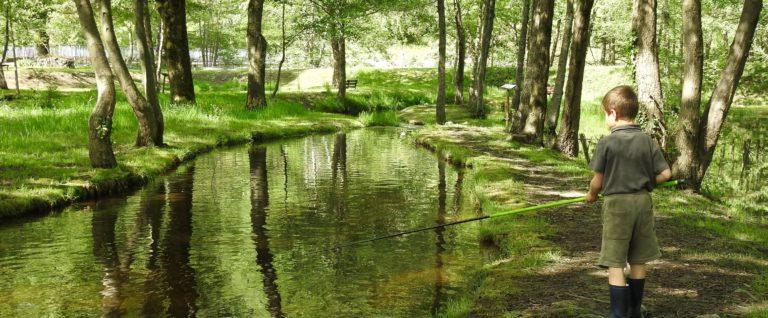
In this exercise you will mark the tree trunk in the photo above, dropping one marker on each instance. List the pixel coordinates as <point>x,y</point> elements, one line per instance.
<point>143,29</point>
<point>176,47</point>
<point>43,43</point>
<point>690,102</point>
<point>603,52</point>
<point>100,121</point>
<point>514,115</point>
<point>722,96</point>
<point>339,47</point>
<point>567,141</point>
<point>478,83</point>
<point>159,55</point>
<point>257,57</point>
<point>15,61</point>
<point>554,44</point>
<point>553,112</point>
<point>282,57</point>
<point>440,109</point>
<point>537,70</point>
<point>3,82</point>
<point>647,68</point>
<point>461,54</point>
<point>141,108</point>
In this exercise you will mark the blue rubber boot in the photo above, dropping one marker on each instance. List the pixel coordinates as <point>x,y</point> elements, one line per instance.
<point>619,301</point>
<point>636,287</point>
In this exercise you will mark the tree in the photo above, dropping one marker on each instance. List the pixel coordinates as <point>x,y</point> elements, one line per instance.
<point>7,35</point>
<point>567,141</point>
<point>100,121</point>
<point>519,69</point>
<point>649,92</point>
<point>440,109</point>
<point>257,56</point>
<point>143,30</point>
<point>176,49</point>
<point>461,54</point>
<point>699,132</point>
<point>553,112</point>
<point>145,113</point>
<point>537,70</point>
<point>283,44</point>
<point>478,77</point>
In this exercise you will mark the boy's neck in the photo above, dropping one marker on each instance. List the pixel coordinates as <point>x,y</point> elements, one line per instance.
<point>623,122</point>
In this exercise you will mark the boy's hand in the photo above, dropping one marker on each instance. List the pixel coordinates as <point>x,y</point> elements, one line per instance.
<point>591,197</point>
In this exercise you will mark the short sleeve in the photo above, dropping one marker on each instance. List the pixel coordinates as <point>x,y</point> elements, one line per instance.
<point>597,164</point>
<point>659,163</point>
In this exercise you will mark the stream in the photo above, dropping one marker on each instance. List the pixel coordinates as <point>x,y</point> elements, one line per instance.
<point>246,232</point>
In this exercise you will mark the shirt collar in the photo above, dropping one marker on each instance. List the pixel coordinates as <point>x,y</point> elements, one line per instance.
<point>631,127</point>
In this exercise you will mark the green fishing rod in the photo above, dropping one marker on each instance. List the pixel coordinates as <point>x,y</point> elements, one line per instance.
<point>552,204</point>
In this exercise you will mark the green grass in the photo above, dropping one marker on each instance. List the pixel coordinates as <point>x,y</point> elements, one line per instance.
<point>380,118</point>
<point>43,141</point>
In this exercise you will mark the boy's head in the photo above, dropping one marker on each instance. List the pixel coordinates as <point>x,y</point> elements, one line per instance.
<point>620,103</point>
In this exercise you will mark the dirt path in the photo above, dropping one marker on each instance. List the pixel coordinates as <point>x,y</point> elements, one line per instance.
<point>700,272</point>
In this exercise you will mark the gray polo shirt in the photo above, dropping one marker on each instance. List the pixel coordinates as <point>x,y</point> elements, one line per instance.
<point>629,159</point>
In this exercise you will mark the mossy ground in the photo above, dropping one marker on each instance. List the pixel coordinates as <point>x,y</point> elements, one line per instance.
<point>713,262</point>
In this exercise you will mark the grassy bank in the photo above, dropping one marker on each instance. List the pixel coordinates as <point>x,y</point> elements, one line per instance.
<point>546,264</point>
<point>43,142</point>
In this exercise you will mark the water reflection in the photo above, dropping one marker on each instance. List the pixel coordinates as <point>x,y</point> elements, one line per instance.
<point>105,251</point>
<point>179,275</point>
<point>235,233</point>
<point>439,238</point>
<point>259,204</point>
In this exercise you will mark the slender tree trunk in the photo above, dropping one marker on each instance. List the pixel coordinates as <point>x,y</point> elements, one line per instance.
<point>43,43</point>
<point>554,45</point>
<point>647,68</point>
<point>489,12</point>
<point>567,141</point>
<point>141,108</point>
<point>15,60</point>
<point>282,57</point>
<point>257,57</point>
<point>440,109</point>
<point>3,82</point>
<point>519,69</point>
<point>537,70</point>
<point>100,121</point>
<point>553,111</point>
<point>461,54</point>
<point>176,47</point>
<point>143,29</point>
<point>159,55</point>
<point>339,48</point>
<point>722,96</point>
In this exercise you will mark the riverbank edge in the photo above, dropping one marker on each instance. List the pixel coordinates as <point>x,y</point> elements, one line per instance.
<point>127,180</point>
<point>489,283</point>
<point>491,287</point>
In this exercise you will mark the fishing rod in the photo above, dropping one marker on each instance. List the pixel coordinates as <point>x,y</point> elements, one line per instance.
<point>552,204</point>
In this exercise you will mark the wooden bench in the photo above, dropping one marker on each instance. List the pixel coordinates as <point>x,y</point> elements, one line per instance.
<point>351,83</point>
<point>162,83</point>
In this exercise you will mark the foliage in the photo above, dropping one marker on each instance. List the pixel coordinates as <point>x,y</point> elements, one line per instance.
<point>379,118</point>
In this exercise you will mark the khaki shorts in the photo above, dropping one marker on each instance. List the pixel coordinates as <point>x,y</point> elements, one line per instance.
<point>628,233</point>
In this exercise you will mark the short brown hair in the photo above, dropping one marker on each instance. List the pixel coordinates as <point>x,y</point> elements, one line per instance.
<point>623,100</point>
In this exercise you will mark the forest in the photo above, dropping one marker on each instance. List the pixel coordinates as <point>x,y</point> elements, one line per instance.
<point>261,158</point>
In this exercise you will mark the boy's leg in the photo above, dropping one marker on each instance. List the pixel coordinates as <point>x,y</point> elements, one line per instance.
<point>636,284</point>
<point>637,271</point>
<point>616,276</point>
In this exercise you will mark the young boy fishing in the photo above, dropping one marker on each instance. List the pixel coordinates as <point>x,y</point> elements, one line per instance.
<point>627,165</point>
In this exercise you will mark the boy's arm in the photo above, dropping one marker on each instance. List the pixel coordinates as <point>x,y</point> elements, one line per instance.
<point>665,175</point>
<point>595,186</point>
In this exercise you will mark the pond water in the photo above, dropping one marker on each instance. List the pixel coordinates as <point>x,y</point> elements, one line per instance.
<point>244,231</point>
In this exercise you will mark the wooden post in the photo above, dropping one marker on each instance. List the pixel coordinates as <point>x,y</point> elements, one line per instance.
<point>506,110</point>
<point>584,145</point>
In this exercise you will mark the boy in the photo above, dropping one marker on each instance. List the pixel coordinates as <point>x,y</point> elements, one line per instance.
<point>627,165</point>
